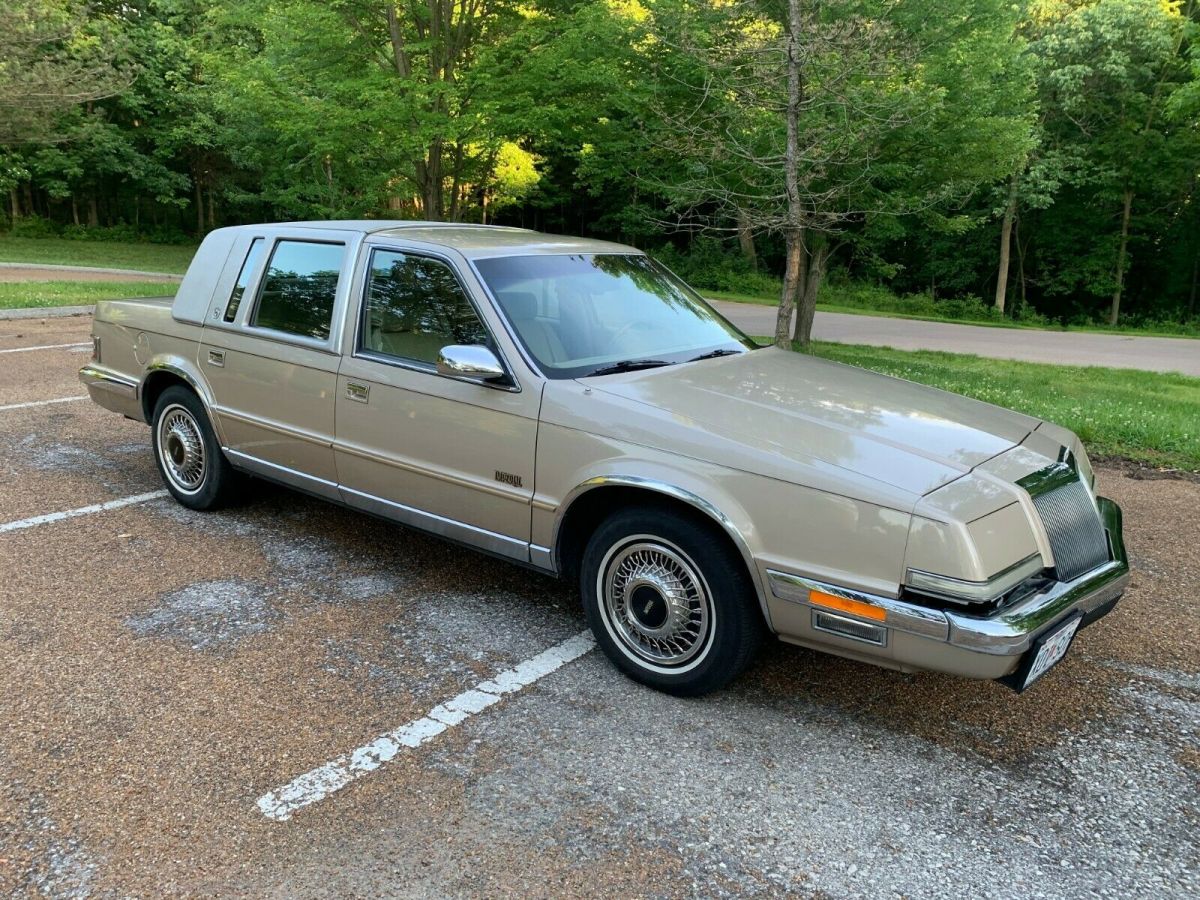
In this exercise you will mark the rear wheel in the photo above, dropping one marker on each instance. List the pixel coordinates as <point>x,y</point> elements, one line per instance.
<point>669,601</point>
<point>187,452</point>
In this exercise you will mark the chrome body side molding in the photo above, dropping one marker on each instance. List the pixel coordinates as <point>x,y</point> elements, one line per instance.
<point>489,541</point>
<point>290,477</point>
<point>452,529</point>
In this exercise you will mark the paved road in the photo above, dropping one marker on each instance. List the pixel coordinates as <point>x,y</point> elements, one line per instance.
<point>1066,348</point>
<point>164,671</point>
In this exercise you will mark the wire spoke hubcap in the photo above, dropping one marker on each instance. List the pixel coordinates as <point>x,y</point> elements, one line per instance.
<point>656,602</point>
<point>181,449</point>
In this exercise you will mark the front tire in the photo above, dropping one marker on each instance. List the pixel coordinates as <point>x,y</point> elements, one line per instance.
<point>187,452</point>
<point>669,601</point>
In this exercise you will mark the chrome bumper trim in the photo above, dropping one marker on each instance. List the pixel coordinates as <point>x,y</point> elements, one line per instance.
<point>94,376</point>
<point>1007,633</point>
<point>928,623</point>
<point>1010,632</point>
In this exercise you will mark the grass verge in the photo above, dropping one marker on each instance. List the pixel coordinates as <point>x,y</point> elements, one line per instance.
<point>102,254</point>
<point>1147,417</point>
<point>25,294</point>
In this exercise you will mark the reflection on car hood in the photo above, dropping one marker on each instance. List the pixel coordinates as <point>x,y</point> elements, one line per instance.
<point>798,408</point>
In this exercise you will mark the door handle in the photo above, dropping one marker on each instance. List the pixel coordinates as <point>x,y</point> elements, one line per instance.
<point>216,357</point>
<point>356,391</point>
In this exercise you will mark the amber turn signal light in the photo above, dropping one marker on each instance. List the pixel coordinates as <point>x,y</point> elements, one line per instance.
<point>843,604</point>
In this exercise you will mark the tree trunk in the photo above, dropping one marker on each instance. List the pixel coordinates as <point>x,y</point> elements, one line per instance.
<point>1021,248</point>
<point>1006,226</point>
<point>1192,293</point>
<point>818,257</point>
<point>212,209</point>
<point>435,207</point>
<point>14,203</point>
<point>29,207</point>
<point>93,212</point>
<point>199,201</point>
<point>793,283</point>
<point>797,256</point>
<point>746,239</point>
<point>74,210</point>
<point>1115,313</point>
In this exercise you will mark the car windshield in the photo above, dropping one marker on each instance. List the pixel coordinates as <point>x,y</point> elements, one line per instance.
<point>595,314</point>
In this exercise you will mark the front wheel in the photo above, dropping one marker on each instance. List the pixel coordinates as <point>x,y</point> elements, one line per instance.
<point>187,452</point>
<point>669,601</point>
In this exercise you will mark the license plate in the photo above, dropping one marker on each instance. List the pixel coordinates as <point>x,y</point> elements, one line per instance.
<point>1049,649</point>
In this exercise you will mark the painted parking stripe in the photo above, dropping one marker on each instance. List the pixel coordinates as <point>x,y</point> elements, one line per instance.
<point>45,347</point>
<point>34,521</point>
<point>43,402</point>
<point>318,784</point>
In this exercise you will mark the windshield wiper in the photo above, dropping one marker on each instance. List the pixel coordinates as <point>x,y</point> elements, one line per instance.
<point>713,354</point>
<point>629,365</point>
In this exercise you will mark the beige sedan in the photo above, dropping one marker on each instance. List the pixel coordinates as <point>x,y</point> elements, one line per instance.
<point>572,406</point>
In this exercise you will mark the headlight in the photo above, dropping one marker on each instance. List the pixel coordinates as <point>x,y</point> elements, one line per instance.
<point>960,591</point>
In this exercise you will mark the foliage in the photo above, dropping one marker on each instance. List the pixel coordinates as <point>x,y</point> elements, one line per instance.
<point>1144,416</point>
<point>920,124</point>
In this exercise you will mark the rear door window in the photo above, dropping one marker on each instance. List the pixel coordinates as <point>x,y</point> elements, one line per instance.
<point>299,287</point>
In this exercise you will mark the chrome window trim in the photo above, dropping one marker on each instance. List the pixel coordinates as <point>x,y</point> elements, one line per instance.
<point>958,590</point>
<point>245,320</point>
<point>670,490</point>
<point>358,351</point>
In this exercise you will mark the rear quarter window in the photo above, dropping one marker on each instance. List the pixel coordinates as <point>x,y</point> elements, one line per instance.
<point>299,287</point>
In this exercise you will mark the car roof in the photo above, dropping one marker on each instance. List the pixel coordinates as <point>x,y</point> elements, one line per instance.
<point>473,241</point>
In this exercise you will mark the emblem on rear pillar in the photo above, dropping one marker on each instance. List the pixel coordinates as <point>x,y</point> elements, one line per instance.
<point>508,478</point>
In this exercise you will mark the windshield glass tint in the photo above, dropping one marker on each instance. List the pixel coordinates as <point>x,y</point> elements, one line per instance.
<point>576,314</point>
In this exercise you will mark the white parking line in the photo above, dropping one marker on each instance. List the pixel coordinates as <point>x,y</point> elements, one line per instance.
<point>43,402</point>
<point>44,347</point>
<point>81,511</point>
<point>318,784</point>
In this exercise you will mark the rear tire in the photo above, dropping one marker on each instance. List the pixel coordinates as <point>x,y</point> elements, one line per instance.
<point>187,452</point>
<point>670,601</point>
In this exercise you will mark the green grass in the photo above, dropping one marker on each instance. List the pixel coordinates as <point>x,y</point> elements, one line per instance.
<point>103,254</point>
<point>1147,417</point>
<point>23,294</point>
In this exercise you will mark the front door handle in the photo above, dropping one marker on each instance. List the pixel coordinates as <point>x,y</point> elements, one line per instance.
<point>356,391</point>
<point>216,357</point>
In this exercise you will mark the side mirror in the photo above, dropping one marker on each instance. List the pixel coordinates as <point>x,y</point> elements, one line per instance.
<point>469,363</point>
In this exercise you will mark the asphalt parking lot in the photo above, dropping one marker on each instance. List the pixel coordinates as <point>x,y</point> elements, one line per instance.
<point>290,699</point>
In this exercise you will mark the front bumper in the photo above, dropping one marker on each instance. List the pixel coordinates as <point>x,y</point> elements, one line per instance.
<point>911,637</point>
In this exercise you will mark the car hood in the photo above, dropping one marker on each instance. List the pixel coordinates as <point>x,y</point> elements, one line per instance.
<point>786,408</point>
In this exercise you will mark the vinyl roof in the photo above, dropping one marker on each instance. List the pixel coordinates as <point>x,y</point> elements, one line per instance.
<point>471,240</point>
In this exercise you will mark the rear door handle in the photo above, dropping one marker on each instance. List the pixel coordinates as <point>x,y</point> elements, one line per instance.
<point>356,391</point>
<point>216,357</point>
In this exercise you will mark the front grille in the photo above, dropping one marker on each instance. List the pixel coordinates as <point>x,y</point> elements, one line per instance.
<point>1073,526</point>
